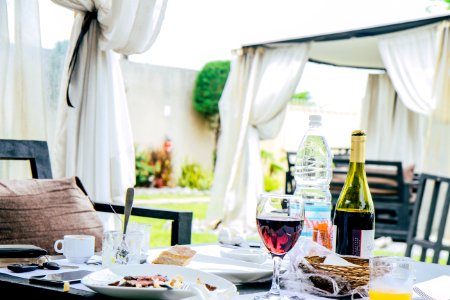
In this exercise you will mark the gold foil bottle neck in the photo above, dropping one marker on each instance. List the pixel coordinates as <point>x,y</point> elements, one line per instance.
<point>358,147</point>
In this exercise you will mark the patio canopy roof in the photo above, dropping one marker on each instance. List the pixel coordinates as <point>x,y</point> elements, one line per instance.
<point>357,48</point>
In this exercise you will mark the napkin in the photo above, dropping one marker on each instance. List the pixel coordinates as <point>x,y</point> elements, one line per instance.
<point>230,236</point>
<point>335,260</point>
<point>434,289</point>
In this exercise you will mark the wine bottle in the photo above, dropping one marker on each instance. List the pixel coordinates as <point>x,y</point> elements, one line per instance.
<point>354,217</point>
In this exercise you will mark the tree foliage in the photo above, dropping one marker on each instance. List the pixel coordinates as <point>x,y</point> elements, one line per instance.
<point>209,87</point>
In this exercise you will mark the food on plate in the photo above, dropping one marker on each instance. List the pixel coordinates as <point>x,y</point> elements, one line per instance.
<point>175,255</point>
<point>156,281</point>
<point>209,287</point>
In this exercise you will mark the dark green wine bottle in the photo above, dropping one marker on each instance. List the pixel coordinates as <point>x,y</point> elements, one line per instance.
<point>354,217</point>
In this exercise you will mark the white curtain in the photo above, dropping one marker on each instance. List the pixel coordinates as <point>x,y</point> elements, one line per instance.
<point>94,138</point>
<point>417,62</point>
<point>377,116</point>
<point>409,58</point>
<point>252,108</point>
<point>22,105</point>
<point>4,58</point>
<point>436,156</point>
<point>386,118</point>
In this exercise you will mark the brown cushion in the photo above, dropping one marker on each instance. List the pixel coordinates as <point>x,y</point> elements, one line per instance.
<point>41,211</point>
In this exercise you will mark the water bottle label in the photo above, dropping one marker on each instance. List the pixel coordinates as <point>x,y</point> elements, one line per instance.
<point>315,214</point>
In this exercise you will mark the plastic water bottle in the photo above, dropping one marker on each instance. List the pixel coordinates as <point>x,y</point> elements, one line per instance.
<point>313,172</point>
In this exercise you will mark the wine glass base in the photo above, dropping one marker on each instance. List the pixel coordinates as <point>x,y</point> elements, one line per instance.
<point>277,297</point>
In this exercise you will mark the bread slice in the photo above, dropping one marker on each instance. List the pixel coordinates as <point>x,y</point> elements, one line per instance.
<point>175,255</point>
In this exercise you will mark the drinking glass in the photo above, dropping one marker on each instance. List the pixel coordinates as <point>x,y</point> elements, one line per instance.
<point>114,241</point>
<point>146,230</point>
<point>391,278</point>
<point>279,219</point>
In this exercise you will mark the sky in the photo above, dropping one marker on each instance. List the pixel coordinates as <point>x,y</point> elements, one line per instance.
<point>195,32</point>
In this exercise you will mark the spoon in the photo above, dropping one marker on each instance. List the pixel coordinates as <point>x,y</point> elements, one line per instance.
<point>122,250</point>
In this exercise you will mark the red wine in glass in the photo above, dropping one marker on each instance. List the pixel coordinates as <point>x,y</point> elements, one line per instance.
<point>279,234</point>
<point>279,219</point>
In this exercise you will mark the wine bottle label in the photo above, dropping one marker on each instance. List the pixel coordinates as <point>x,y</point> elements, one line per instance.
<point>363,243</point>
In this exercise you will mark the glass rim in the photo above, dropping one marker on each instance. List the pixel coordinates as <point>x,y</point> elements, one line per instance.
<point>120,233</point>
<point>391,259</point>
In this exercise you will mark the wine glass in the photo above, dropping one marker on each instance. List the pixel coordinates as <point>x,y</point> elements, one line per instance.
<point>279,219</point>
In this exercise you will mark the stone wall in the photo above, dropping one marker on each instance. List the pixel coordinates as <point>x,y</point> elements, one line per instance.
<point>160,105</point>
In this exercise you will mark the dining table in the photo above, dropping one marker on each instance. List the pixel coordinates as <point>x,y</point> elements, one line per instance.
<point>248,285</point>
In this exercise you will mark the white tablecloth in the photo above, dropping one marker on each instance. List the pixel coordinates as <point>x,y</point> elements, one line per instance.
<point>424,271</point>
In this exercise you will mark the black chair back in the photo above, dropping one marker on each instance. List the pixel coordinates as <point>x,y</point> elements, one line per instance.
<point>435,183</point>
<point>34,151</point>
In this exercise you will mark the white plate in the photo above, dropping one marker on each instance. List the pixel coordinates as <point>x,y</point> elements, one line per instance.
<point>98,281</point>
<point>257,256</point>
<point>236,271</point>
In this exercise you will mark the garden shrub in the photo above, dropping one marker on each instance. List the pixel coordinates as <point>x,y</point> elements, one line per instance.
<point>161,161</point>
<point>208,89</point>
<point>273,171</point>
<point>153,167</point>
<point>143,170</point>
<point>193,176</point>
<point>209,86</point>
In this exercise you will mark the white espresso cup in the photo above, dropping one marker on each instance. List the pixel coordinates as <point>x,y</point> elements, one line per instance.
<point>76,248</point>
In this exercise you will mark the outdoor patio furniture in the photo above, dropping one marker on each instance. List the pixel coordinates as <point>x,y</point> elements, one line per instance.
<point>37,153</point>
<point>34,151</point>
<point>289,187</point>
<point>430,185</point>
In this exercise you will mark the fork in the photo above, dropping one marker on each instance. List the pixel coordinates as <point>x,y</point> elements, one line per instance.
<point>185,286</point>
<point>198,290</point>
<point>122,250</point>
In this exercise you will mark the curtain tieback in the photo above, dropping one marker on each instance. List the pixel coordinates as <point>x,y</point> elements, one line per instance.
<point>88,18</point>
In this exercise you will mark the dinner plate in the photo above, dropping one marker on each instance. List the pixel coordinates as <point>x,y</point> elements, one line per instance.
<point>236,271</point>
<point>98,281</point>
<point>208,259</point>
<point>257,256</point>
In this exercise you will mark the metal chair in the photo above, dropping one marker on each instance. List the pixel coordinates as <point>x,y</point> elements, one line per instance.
<point>427,181</point>
<point>38,155</point>
<point>290,180</point>
<point>34,151</point>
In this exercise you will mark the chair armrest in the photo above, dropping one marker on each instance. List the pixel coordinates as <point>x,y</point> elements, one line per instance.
<point>181,225</point>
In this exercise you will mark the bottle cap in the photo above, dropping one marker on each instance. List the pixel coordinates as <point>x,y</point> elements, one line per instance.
<point>358,133</point>
<point>315,120</point>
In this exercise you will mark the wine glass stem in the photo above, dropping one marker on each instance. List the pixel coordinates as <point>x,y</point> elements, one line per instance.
<point>275,288</point>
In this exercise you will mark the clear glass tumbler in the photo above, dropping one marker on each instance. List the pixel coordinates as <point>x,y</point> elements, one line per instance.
<point>391,278</point>
<point>119,249</point>
<point>146,229</point>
